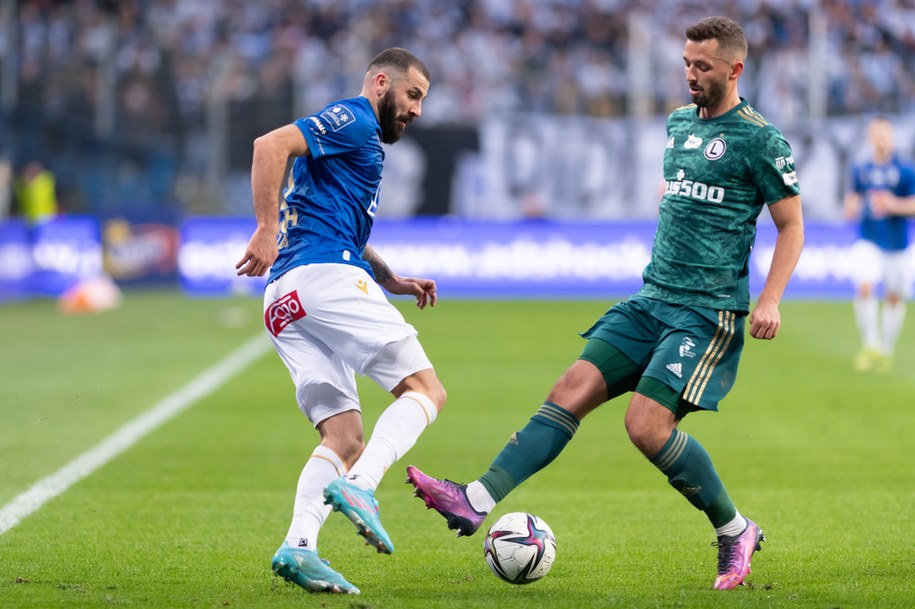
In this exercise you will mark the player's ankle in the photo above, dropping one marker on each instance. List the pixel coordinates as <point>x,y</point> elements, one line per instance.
<point>479,498</point>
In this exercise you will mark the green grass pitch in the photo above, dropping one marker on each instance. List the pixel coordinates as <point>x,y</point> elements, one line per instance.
<point>189,517</point>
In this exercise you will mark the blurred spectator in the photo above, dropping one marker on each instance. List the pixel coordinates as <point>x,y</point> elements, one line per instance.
<point>98,80</point>
<point>6,188</point>
<point>36,193</point>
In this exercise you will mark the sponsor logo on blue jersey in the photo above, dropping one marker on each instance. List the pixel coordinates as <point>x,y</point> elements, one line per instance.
<point>338,117</point>
<point>318,125</point>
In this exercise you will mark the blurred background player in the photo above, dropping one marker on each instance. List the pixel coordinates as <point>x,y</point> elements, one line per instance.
<point>882,192</point>
<point>324,309</point>
<point>677,343</point>
<point>36,193</point>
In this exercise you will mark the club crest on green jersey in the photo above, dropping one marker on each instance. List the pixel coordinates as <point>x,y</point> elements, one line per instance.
<point>715,149</point>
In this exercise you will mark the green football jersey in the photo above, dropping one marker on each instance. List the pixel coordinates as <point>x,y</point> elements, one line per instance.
<point>719,173</point>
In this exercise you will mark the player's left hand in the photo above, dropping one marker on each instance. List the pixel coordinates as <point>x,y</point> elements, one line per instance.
<point>422,289</point>
<point>765,321</point>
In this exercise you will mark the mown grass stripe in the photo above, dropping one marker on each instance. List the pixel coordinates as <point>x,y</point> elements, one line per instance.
<point>49,487</point>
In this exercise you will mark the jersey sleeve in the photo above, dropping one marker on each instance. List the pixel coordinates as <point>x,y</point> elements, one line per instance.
<point>907,180</point>
<point>336,129</point>
<point>857,184</point>
<point>773,166</point>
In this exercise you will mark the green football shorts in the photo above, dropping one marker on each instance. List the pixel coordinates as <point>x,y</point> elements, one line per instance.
<point>692,350</point>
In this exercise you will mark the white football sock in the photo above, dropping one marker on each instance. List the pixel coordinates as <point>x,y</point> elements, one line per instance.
<point>732,528</point>
<point>893,316</point>
<point>866,316</point>
<point>479,497</point>
<point>309,511</point>
<point>396,431</point>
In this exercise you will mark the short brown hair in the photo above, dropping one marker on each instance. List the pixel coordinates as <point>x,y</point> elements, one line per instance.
<point>728,33</point>
<point>400,59</point>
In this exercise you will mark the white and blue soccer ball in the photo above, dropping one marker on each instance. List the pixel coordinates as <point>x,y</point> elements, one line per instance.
<point>520,548</point>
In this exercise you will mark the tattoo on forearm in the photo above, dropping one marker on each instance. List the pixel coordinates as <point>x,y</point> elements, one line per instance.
<point>379,267</point>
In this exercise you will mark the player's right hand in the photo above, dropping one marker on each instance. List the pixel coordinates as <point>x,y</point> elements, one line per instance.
<point>259,256</point>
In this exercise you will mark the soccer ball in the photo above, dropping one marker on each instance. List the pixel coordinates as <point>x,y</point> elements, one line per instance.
<point>520,548</point>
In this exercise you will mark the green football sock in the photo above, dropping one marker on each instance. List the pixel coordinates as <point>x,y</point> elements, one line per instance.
<point>530,450</point>
<point>689,469</point>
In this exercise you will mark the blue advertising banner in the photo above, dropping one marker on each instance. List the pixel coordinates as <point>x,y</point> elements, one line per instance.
<point>209,248</point>
<point>65,250</point>
<point>468,259</point>
<point>525,259</point>
<point>46,259</point>
<point>141,253</point>
<point>15,260</point>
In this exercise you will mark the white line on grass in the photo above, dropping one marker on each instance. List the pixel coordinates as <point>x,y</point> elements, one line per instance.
<point>206,383</point>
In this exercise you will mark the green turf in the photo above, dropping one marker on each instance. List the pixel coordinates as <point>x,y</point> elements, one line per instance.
<point>190,516</point>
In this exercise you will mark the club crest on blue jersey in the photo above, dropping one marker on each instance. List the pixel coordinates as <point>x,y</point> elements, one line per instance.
<point>338,117</point>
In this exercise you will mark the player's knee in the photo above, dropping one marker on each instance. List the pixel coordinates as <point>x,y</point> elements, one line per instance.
<point>579,390</point>
<point>638,432</point>
<point>566,392</point>
<point>644,433</point>
<point>438,395</point>
<point>435,393</point>
<point>425,383</point>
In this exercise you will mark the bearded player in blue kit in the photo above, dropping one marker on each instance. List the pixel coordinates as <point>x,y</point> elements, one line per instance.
<point>325,312</point>
<point>677,343</point>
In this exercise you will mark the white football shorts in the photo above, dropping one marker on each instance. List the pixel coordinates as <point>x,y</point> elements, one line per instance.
<point>873,266</point>
<point>331,321</point>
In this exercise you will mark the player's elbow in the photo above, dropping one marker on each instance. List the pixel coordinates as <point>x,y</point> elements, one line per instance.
<point>261,145</point>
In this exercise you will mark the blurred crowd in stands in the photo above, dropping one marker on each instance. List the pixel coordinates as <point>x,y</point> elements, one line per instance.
<point>142,87</point>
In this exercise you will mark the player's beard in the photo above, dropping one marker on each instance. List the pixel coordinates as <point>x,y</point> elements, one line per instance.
<point>391,128</point>
<point>711,95</point>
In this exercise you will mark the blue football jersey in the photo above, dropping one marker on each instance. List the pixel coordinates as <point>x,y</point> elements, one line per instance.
<point>329,202</point>
<point>895,176</point>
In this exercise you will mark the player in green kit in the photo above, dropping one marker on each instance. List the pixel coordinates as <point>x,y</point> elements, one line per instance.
<point>675,344</point>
